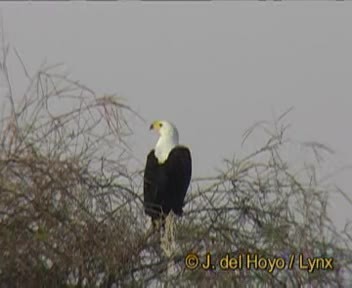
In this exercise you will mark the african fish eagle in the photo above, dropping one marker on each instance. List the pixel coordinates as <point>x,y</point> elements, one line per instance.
<point>167,174</point>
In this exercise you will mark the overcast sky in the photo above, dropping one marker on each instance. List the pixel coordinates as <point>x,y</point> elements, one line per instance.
<point>212,68</point>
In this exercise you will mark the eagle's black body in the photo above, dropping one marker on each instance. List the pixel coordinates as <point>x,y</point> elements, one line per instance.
<point>166,184</point>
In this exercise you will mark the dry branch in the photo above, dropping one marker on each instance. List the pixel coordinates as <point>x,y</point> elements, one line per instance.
<point>71,208</point>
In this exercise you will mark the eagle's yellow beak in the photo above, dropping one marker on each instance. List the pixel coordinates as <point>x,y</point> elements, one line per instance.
<point>156,125</point>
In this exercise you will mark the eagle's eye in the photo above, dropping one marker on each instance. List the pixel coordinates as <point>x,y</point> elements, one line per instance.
<point>160,125</point>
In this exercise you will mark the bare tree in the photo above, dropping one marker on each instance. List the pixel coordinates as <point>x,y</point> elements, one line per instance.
<point>71,212</point>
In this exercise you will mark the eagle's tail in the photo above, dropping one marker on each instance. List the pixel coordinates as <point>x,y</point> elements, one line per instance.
<point>168,238</point>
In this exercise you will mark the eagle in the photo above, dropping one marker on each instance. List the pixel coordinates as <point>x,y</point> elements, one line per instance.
<point>167,174</point>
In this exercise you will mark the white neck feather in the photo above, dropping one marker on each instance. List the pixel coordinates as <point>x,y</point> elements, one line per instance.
<point>164,145</point>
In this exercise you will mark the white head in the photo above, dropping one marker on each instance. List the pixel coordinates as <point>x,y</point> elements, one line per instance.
<point>167,141</point>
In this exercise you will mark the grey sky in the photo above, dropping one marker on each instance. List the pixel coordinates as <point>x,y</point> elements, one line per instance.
<point>211,68</point>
